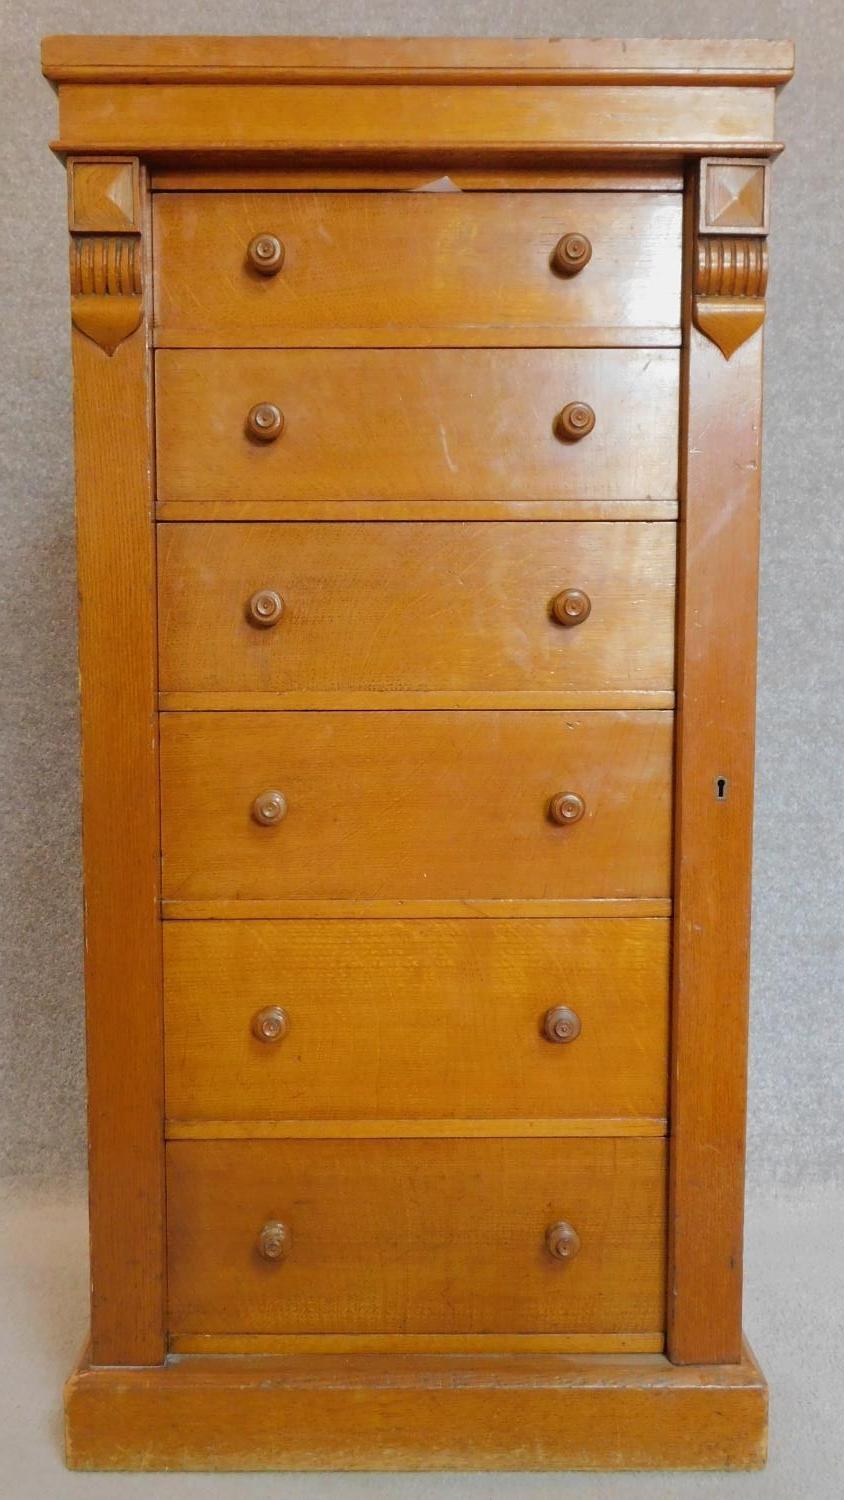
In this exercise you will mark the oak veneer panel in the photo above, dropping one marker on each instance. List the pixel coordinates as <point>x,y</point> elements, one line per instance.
<point>416,424</point>
<point>401,120</point>
<point>416,805</point>
<point>120,834</point>
<point>718,559</point>
<point>456,613</point>
<point>318,1411</point>
<point>456,1229</point>
<point>417,269</point>
<point>483,1411</point>
<point>397,1020</point>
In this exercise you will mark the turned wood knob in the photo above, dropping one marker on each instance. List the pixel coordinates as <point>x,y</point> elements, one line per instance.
<point>265,254</point>
<point>562,1240</point>
<point>574,422</point>
<point>566,807</point>
<point>571,254</point>
<point>265,422</point>
<point>271,1024</point>
<point>561,1024</point>
<point>269,808</point>
<point>265,608</point>
<point>571,607</point>
<point>274,1240</point>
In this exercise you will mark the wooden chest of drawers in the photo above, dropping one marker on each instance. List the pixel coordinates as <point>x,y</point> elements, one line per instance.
<point>417,400</point>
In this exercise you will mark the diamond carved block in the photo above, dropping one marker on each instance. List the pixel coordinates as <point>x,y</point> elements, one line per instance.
<point>103,195</point>
<point>734,196</point>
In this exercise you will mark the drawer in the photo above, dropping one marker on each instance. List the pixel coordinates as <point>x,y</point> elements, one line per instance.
<point>416,424</point>
<point>415,805</point>
<point>418,268</point>
<point>397,609</point>
<point>415,1236</point>
<point>416,1020</point>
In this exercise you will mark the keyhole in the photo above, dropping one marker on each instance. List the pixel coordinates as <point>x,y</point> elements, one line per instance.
<point>721,785</point>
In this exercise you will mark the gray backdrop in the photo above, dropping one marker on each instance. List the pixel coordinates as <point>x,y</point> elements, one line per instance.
<point>796,1117</point>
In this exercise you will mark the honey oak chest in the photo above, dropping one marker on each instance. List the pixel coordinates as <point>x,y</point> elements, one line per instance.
<point>417,397</point>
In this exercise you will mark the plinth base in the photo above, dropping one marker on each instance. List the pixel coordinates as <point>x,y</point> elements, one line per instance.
<point>405,1412</point>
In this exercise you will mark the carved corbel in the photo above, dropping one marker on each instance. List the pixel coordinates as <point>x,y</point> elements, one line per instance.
<point>731,268</point>
<point>105,248</point>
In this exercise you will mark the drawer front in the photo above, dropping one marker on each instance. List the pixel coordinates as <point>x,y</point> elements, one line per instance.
<point>415,1236</point>
<point>416,1020</point>
<point>433,608</point>
<point>416,424</point>
<point>418,268</point>
<point>415,805</point>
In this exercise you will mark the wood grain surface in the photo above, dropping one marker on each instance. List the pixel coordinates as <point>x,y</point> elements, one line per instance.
<point>416,424</point>
<point>456,1229</point>
<point>397,1020</point>
<point>120,833</point>
<point>440,615</point>
<point>719,548</point>
<point>564,60</point>
<point>485,1411</point>
<point>416,805</point>
<point>417,268</point>
<point>401,120</point>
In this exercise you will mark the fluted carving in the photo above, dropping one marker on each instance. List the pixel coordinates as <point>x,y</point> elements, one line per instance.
<point>105,285</point>
<point>731,268</point>
<point>105,266</point>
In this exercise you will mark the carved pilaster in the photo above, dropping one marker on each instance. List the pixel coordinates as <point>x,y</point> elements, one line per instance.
<point>731,267</point>
<point>106,283</point>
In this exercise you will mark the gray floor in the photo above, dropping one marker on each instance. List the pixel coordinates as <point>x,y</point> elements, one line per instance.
<point>794,1319</point>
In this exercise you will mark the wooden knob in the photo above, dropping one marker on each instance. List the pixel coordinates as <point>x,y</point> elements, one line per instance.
<point>274,1240</point>
<point>265,254</point>
<point>571,254</point>
<point>264,422</point>
<point>562,1240</point>
<point>561,1024</point>
<point>574,422</point>
<point>272,1024</point>
<point>566,807</point>
<point>265,608</point>
<point>571,607</point>
<point>269,808</point>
